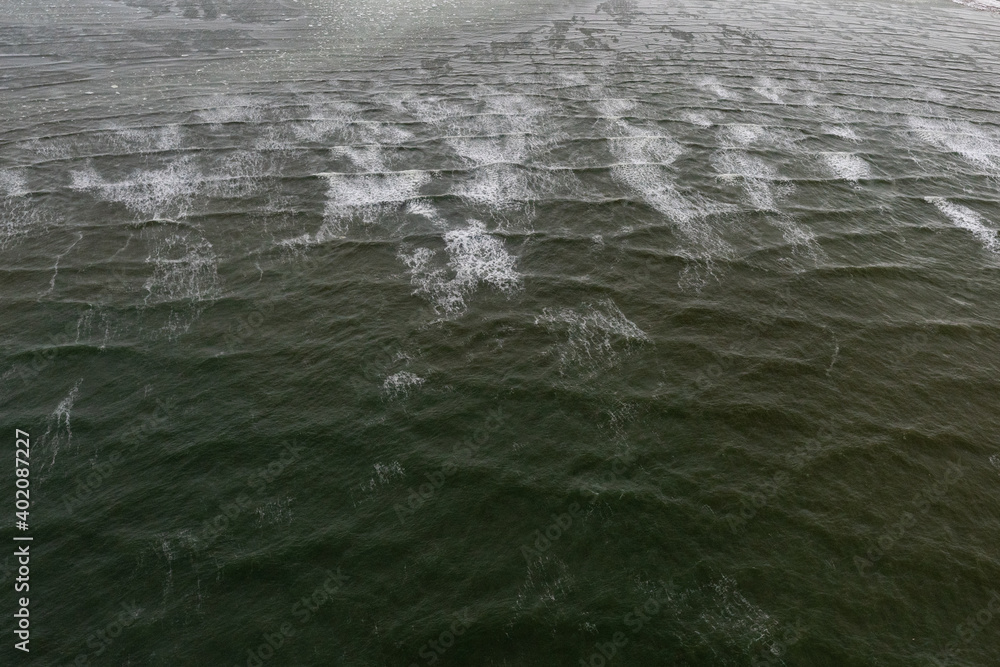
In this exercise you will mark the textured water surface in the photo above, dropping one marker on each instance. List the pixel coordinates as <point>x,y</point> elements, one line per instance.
<point>504,333</point>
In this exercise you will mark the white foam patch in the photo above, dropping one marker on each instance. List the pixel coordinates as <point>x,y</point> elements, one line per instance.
<point>770,89</point>
<point>492,150</point>
<point>272,139</point>
<point>366,158</point>
<point>434,110</point>
<point>614,107</point>
<point>426,210</point>
<point>365,196</point>
<point>743,134</point>
<point>324,120</point>
<point>230,109</point>
<point>969,220</point>
<point>13,183</point>
<point>154,193</point>
<point>18,213</point>
<point>713,85</point>
<point>754,173</point>
<point>49,149</point>
<point>973,143</point>
<point>636,145</point>
<point>688,212</point>
<point>510,104</point>
<point>847,166</point>
<point>988,5</point>
<point>697,118</point>
<point>401,383</point>
<point>238,176</point>
<point>499,186</point>
<point>842,131</point>
<point>592,331</point>
<point>146,140</point>
<point>185,268</point>
<point>383,134</point>
<point>475,256</point>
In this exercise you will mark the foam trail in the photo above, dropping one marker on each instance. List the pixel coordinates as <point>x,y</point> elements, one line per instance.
<point>58,430</point>
<point>13,183</point>
<point>743,134</point>
<point>842,131</point>
<point>499,186</point>
<point>614,108</point>
<point>653,184</point>
<point>644,155</point>
<point>143,140</point>
<point>969,220</point>
<point>697,118</point>
<point>324,120</point>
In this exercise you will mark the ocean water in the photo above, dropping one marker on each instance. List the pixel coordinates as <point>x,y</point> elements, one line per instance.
<point>503,333</point>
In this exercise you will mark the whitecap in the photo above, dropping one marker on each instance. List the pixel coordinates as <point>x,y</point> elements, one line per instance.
<point>498,186</point>
<point>185,268</point>
<point>399,384</point>
<point>973,143</point>
<point>153,192</point>
<point>367,196</point>
<point>474,256</point>
<point>969,220</point>
<point>847,166</point>
<point>592,332</point>
<point>637,145</point>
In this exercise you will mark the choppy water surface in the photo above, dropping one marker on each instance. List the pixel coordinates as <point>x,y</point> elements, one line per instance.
<point>637,333</point>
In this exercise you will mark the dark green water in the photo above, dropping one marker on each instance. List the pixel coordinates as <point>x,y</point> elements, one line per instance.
<point>657,333</point>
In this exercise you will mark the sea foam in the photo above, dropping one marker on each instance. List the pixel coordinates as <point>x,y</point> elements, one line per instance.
<point>969,220</point>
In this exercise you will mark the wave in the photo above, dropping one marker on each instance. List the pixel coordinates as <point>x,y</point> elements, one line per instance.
<point>474,256</point>
<point>592,332</point>
<point>988,5</point>
<point>847,166</point>
<point>969,220</point>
